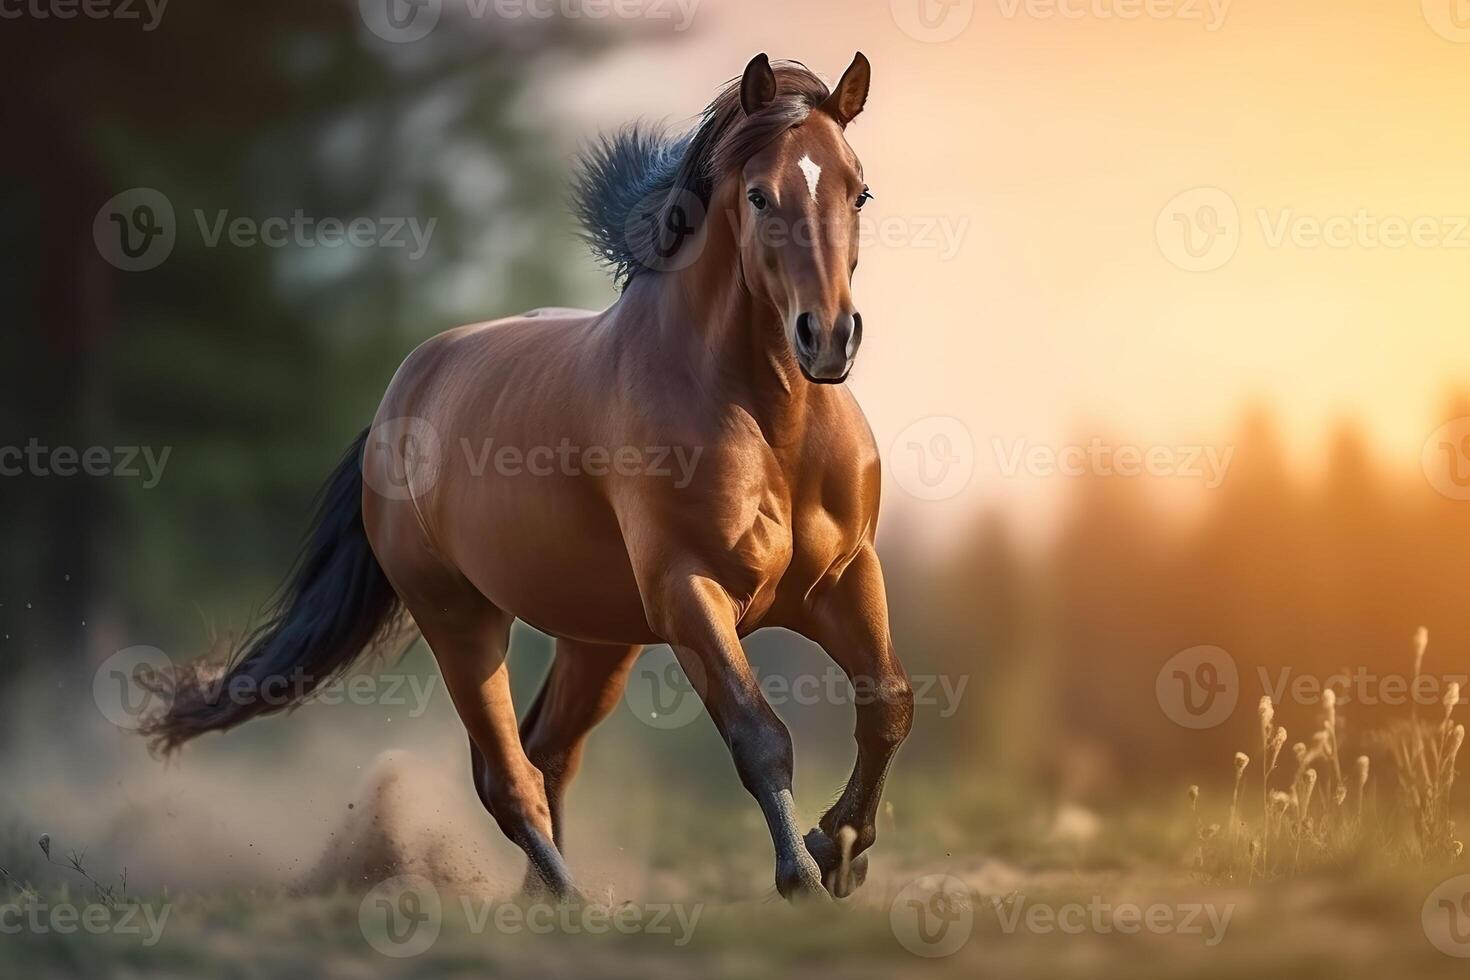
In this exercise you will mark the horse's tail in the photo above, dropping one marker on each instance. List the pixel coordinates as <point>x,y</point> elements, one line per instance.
<point>335,604</point>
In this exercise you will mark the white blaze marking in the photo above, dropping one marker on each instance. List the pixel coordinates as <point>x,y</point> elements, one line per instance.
<point>813,174</point>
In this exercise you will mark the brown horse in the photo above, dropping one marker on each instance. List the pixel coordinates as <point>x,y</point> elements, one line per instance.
<point>522,469</point>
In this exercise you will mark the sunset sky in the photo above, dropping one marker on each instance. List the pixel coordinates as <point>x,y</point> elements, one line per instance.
<point>1047,148</point>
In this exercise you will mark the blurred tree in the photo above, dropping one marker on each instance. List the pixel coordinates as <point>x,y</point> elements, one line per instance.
<point>253,366</point>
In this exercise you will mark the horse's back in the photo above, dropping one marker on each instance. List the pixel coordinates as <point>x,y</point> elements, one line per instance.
<point>508,408</point>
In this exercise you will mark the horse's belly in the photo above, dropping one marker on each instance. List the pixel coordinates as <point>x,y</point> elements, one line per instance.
<point>553,557</point>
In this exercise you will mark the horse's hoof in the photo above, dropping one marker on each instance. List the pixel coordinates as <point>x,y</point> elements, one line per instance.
<point>801,881</point>
<point>534,888</point>
<point>842,885</point>
<point>841,881</point>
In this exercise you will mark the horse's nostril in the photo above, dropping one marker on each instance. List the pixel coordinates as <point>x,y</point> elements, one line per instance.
<point>857,334</point>
<point>804,338</point>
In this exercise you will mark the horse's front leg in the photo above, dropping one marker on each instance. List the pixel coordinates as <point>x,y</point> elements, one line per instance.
<point>850,621</point>
<point>697,618</point>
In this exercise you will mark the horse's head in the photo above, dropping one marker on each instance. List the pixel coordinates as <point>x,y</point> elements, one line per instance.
<point>798,219</point>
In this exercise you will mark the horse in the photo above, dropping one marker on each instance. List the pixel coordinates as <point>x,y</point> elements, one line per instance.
<point>735,245</point>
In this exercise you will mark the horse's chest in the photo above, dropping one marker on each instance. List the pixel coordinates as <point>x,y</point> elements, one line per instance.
<point>787,549</point>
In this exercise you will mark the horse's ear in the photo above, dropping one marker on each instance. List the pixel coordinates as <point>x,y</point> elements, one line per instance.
<point>757,85</point>
<point>847,99</point>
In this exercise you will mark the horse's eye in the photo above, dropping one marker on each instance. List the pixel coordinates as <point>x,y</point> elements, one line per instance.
<point>757,199</point>
<point>863,198</point>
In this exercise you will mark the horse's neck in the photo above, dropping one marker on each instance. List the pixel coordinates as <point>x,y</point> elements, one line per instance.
<point>735,345</point>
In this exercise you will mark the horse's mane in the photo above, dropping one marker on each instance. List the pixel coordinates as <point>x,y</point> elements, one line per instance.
<point>628,181</point>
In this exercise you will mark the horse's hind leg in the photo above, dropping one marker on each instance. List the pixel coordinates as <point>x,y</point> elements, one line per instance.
<point>584,685</point>
<point>470,640</point>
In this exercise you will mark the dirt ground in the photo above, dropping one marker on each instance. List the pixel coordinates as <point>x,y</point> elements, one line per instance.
<point>400,889</point>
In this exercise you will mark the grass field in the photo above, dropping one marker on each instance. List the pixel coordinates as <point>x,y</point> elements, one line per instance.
<point>1297,858</point>
<point>1126,898</point>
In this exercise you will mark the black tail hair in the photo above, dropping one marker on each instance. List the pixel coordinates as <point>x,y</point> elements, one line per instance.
<point>335,604</point>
